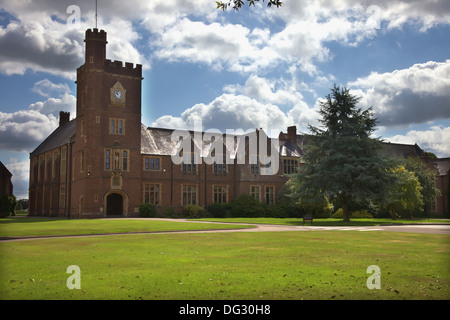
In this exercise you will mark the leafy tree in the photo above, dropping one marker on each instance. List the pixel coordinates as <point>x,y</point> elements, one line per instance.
<point>7,205</point>
<point>426,178</point>
<point>237,4</point>
<point>404,194</point>
<point>343,163</point>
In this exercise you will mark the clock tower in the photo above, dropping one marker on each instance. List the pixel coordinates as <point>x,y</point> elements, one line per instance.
<point>106,159</point>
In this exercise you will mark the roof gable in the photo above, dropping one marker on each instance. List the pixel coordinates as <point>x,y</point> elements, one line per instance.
<point>57,138</point>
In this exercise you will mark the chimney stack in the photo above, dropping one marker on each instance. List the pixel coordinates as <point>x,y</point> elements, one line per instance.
<point>64,117</point>
<point>292,134</point>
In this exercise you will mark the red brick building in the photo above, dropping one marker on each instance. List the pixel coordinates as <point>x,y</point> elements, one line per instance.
<point>106,163</point>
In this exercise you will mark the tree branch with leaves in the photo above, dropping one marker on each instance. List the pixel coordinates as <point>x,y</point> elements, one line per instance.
<point>237,4</point>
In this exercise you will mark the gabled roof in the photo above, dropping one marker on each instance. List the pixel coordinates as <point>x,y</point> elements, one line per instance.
<point>403,150</point>
<point>158,141</point>
<point>5,170</point>
<point>57,138</point>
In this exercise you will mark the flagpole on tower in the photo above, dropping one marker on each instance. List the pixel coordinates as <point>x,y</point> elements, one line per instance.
<point>95,14</point>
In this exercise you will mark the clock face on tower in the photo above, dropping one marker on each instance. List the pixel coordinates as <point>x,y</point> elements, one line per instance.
<point>118,93</point>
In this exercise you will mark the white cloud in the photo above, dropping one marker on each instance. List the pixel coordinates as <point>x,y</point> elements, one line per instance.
<point>40,39</point>
<point>20,175</point>
<point>47,46</point>
<point>235,111</point>
<point>24,130</point>
<point>418,94</point>
<point>228,112</point>
<point>273,91</point>
<point>54,105</point>
<point>45,88</point>
<point>220,46</point>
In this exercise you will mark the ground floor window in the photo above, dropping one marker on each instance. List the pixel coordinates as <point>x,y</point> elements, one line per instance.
<point>152,193</point>
<point>219,194</point>
<point>188,194</point>
<point>270,195</point>
<point>255,193</point>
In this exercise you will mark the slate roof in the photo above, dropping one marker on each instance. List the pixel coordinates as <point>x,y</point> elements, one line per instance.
<point>158,141</point>
<point>442,165</point>
<point>58,138</point>
<point>403,150</point>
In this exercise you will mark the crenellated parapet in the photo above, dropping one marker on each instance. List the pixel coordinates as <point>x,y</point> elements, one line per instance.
<point>118,67</point>
<point>95,34</point>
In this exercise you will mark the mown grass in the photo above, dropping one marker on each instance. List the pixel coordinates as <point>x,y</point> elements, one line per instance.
<point>326,222</point>
<point>242,265</point>
<point>25,226</point>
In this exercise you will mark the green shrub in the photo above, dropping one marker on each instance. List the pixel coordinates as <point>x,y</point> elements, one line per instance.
<point>7,206</point>
<point>246,206</point>
<point>147,210</point>
<point>193,211</point>
<point>171,213</point>
<point>354,214</point>
<point>277,211</point>
<point>361,214</point>
<point>218,210</point>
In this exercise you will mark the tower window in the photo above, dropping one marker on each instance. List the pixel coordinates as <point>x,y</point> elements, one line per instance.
<point>117,159</point>
<point>117,126</point>
<point>108,159</point>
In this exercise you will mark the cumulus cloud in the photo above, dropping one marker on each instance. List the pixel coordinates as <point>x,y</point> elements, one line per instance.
<point>40,47</point>
<point>45,88</point>
<point>40,39</point>
<point>229,46</point>
<point>20,175</point>
<point>228,111</point>
<point>394,13</point>
<point>24,130</point>
<point>418,94</point>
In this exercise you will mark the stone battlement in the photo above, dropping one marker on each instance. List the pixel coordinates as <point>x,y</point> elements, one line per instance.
<point>118,68</point>
<point>95,34</point>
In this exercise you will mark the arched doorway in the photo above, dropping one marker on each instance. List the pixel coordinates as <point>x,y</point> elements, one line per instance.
<point>114,204</point>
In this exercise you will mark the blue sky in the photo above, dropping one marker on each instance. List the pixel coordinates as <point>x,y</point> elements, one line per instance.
<point>257,68</point>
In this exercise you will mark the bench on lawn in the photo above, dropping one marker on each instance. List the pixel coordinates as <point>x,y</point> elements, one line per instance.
<point>307,217</point>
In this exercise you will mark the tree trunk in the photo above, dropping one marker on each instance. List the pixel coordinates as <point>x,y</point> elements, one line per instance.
<point>345,213</point>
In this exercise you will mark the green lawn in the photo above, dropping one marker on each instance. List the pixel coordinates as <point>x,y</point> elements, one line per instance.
<point>241,265</point>
<point>10,227</point>
<point>326,222</point>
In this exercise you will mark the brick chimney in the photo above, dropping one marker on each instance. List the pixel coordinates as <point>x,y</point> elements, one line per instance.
<point>64,117</point>
<point>292,134</point>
